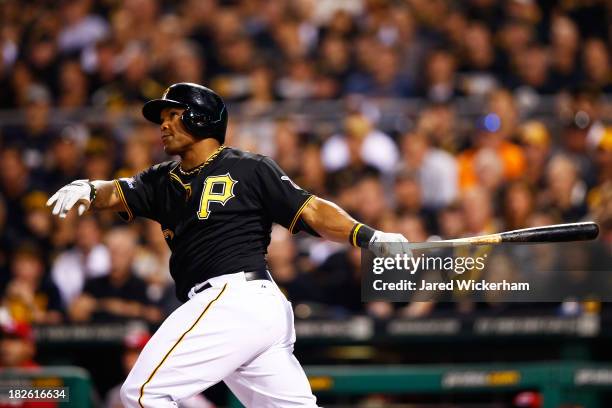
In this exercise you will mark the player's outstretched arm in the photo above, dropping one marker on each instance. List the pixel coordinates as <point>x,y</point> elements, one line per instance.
<point>85,194</point>
<point>333,223</point>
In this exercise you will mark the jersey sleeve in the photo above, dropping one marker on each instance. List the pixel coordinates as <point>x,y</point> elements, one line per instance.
<point>139,194</point>
<point>282,199</point>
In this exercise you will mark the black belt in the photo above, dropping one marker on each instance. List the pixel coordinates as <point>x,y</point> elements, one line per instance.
<point>263,274</point>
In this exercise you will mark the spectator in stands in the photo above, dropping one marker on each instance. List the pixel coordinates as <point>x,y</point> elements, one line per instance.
<point>137,155</point>
<point>288,150</point>
<point>88,259</point>
<point>73,86</point>
<point>30,296</point>
<point>370,199</point>
<point>137,83</point>
<point>235,58</point>
<point>119,295</point>
<point>311,175</point>
<point>80,28</point>
<point>565,44</point>
<point>385,78</point>
<point>414,229</point>
<point>566,191</point>
<point>66,156</point>
<point>339,280</point>
<point>438,122</point>
<point>17,347</point>
<point>152,260</point>
<point>479,212</point>
<point>450,221</point>
<point>519,202</point>
<point>494,132</point>
<point>441,82</point>
<point>480,60</point>
<point>413,226</point>
<point>101,67</point>
<point>533,71</point>
<point>300,81</point>
<point>335,60</point>
<point>98,159</point>
<point>261,92</point>
<point>435,169</point>
<point>603,157</point>
<point>38,222</point>
<point>5,246</point>
<point>15,183</point>
<point>407,192</point>
<point>35,134</point>
<point>282,255</point>
<point>597,65</point>
<point>584,127</point>
<point>536,143</point>
<point>171,34</point>
<point>185,63</point>
<point>42,56</point>
<point>514,37</point>
<point>360,145</point>
<point>365,46</point>
<point>600,197</point>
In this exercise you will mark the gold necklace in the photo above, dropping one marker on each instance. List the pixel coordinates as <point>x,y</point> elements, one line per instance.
<point>197,169</point>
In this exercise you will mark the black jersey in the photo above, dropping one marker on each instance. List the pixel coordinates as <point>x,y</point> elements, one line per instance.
<point>218,220</point>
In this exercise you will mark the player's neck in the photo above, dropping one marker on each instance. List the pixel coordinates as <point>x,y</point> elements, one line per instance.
<point>198,153</point>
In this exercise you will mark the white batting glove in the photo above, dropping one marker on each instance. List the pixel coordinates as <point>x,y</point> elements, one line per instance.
<point>79,191</point>
<point>389,244</point>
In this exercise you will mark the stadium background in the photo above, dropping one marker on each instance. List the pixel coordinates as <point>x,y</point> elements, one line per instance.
<point>425,117</point>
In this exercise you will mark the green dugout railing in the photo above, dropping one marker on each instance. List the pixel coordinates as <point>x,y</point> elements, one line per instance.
<point>559,382</point>
<point>41,381</point>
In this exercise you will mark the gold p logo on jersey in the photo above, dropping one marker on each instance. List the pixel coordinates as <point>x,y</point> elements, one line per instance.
<point>217,189</point>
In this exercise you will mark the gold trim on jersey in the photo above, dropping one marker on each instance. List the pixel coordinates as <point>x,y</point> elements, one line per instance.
<point>186,187</point>
<point>177,343</point>
<point>124,201</point>
<point>298,213</point>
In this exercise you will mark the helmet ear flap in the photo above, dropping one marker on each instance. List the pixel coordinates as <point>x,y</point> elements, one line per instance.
<point>195,122</point>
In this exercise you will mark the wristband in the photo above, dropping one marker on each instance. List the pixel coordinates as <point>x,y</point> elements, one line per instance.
<point>361,235</point>
<point>92,192</point>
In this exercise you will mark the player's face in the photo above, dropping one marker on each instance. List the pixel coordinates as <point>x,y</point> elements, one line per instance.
<point>175,137</point>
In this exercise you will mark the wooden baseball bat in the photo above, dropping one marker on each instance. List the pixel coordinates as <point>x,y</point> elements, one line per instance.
<point>579,231</point>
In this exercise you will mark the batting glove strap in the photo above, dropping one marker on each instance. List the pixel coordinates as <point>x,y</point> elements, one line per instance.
<point>93,192</point>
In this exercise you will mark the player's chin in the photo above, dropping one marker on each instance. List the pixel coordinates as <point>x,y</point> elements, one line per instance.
<point>171,149</point>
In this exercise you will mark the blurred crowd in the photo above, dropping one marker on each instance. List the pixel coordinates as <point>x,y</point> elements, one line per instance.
<point>443,175</point>
<point>115,53</point>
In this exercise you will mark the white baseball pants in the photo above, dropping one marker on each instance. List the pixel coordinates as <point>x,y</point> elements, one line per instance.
<point>238,331</point>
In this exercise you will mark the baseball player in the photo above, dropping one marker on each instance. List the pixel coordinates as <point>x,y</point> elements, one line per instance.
<point>216,207</point>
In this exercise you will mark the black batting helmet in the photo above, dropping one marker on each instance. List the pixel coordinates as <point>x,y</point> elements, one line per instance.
<point>205,113</point>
